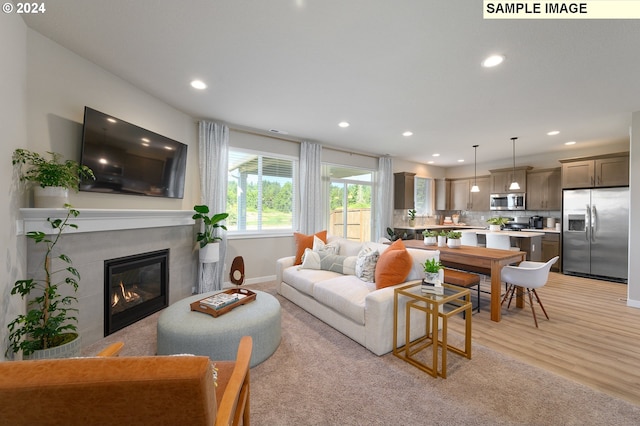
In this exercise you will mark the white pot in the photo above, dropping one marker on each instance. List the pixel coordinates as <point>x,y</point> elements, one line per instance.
<point>430,241</point>
<point>454,242</point>
<point>68,350</point>
<point>494,227</point>
<point>50,197</point>
<point>432,277</point>
<point>442,241</point>
<point>210,253</point>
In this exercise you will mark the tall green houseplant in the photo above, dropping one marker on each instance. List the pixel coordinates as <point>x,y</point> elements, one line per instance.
<point>49,321</point>
<point>211,223</point>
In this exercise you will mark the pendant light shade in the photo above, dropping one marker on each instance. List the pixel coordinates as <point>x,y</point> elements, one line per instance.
<point>514,184</point>
<point>475,188</point>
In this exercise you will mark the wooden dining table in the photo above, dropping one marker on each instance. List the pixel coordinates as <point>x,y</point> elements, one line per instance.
<point>476,259</point>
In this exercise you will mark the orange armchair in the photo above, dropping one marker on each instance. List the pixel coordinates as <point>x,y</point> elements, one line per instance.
<point>111,390</point>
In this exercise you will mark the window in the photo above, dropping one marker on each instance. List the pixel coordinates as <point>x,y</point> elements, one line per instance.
<point>260,192</point>
<point>423,196</point>
<point>349,202</point>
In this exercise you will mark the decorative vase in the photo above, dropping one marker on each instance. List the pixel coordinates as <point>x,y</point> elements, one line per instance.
<point>50,197</point>
<point>454,242</point>
<point>429,241</point>
<point>67,350</point>
<point>442,241</point>
<point>412,222</point>
<point>494,227</point>
<point>210,253</point>
<point>432,277</point>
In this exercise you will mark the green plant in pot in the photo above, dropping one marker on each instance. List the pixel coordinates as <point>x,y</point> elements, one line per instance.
<point>50,319</point>
<point>454,239</point>
<point>432,269</point>
<point>496,223</point>
<point>430,237</point>
<point>412,217</point>
<point>207,239</point>
<point>52,177</point>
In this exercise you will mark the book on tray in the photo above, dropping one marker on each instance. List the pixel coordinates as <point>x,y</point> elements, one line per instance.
<point>219,300</point>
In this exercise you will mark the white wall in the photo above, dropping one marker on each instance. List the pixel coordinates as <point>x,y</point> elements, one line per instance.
<point>13,84</point>
<point>633,296</point>
<point>61,84</point>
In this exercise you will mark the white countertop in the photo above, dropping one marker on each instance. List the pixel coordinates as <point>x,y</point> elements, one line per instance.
<point>518,234</point>
<point>545,230</point>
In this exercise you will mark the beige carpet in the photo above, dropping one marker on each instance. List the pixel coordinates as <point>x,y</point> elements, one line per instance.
<point>318,376</point>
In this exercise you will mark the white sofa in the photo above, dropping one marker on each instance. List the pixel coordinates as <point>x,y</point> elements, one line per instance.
<point>348,304</point>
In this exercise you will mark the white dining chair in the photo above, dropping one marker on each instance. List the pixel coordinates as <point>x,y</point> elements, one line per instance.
<point>499,241</point>
<point>469,238</point>
<point>529,276</point>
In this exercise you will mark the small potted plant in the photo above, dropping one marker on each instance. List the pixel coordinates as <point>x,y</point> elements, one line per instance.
<point>430,237</point>
<point>207,239</point>
<point>453,239</point>
<point>496,223</point>
<point>432,279</point>
<point>47,330</point>
<point>53,177</point>
<point>412,217</point>
<point>442,238</point>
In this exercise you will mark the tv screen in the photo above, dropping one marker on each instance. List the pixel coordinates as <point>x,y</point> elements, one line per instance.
<point>127,159</point>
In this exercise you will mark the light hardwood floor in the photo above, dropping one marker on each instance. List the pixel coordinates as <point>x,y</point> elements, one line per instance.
<point>592,336</point>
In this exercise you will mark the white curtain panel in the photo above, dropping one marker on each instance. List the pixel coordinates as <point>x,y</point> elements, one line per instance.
<point>383,204</point>
<point>311,207</point>
<point>214,157</point>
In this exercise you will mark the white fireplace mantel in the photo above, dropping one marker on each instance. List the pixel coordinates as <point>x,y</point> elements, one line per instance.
<point>97,220</point>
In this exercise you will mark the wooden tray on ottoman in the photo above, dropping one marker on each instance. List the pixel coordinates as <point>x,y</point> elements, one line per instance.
<point>249,296</point>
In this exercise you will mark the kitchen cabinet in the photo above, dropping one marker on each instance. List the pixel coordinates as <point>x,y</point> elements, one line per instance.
<point>501,179</point>
<point>544,191</point>
<point>443,194</point>
<point>403,188</point>
<point>463,199</point>
<point>551,249</point>
<point>594,172</point>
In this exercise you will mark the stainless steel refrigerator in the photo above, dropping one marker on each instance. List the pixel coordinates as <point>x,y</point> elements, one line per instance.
<point>595,237</point>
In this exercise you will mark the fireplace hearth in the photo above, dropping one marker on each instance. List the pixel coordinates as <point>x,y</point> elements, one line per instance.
<point>135,287</point>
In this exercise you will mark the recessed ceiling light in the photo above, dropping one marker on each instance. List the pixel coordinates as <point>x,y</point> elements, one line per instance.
<point>407,133</point>
<point>492,61</point>
<point>343,124</point>
<point>570,143</point>
<point>112,120</point>
<point>198,84</point>
<point>461,160</point>
<point>436,155</point>
<point>430,162</point>
<point>553,132</point>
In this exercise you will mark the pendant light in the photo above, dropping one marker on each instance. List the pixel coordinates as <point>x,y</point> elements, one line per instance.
<point>475,188</point>
<point>514,184</point>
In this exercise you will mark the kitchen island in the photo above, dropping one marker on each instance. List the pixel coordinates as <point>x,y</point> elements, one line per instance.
<point>529,242</point>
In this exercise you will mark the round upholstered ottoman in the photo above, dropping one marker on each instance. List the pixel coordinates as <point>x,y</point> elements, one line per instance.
<point>182,331</point>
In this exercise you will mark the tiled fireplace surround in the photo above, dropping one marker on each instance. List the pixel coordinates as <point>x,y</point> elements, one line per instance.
<point>109,234</point>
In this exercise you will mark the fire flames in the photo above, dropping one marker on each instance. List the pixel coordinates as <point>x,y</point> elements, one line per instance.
<point>126,296</point>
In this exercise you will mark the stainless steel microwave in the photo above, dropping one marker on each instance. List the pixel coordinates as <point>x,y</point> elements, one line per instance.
<point>514,201</point>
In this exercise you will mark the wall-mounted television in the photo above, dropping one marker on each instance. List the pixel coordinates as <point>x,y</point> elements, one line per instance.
<point>127,159</point>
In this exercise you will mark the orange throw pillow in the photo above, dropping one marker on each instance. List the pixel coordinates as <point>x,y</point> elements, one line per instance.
<point>393,266</point>
<point>306,242</point>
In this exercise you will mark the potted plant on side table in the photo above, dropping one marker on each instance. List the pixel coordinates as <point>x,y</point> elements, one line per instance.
<point>47,330</point>
<point>207,238</point>
<point>53,177</point>
<point>432,282</point>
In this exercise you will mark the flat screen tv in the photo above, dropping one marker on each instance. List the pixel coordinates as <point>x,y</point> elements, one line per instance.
<point>127,159</point>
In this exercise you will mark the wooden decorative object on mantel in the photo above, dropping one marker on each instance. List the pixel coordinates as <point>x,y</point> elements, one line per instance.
<point>250,296</point>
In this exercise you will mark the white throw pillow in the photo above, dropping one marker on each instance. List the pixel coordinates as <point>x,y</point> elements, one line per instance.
<point>319,245</point>
<point>345,265</point>
<point>366,264</point>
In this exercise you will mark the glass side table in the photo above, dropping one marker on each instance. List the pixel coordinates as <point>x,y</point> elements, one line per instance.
<point>457,300</point>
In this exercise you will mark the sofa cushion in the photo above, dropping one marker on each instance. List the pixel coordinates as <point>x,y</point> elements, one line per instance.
<point>303,280</point>
<point>366,264</point>
<point>306,241</point>
<point>348,247</point>
<point>419,256</point>
<point>326,261</point>
<point>330,247</point>
<point>345,294</point>
<point>393,266</point>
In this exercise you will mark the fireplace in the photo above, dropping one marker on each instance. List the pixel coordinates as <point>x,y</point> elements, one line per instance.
<point>134,287</point>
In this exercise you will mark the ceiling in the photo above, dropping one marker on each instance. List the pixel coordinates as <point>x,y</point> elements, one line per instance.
<point>302,66</point>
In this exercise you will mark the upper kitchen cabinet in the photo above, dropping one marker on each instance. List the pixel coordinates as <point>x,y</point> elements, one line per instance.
<point>593,172</point>
<point>463,199</point>
<point>403,189</point>
<point>501,179</point>
<point>443,194</point>
<point>543,189</point>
